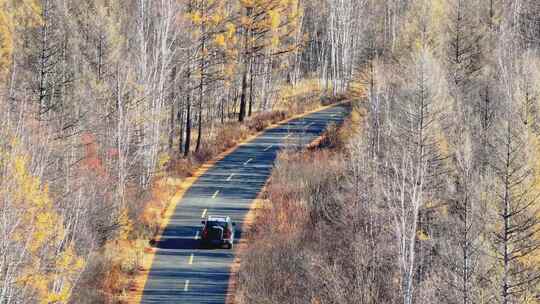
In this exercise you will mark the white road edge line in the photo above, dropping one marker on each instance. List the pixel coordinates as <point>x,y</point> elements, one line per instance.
<point>215,194</point>
<point>230,177</point>
<point>197,235</point>
<point>268,148</point>
<point>186,285</point>
<point>248,161</point>
<point>204,213</point>
<point>190,261</point>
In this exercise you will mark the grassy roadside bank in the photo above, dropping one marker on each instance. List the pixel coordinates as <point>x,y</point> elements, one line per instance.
<point>278,221</point>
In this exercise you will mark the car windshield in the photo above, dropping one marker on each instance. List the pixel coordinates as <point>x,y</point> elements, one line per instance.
<point>216,223</point>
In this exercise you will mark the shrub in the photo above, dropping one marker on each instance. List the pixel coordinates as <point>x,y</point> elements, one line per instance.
<point>262,120</point>
<point>278,264</point>
<point>205,153</point>
<point>337,137</point>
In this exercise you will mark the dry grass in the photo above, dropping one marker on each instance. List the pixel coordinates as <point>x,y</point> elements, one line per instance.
<point>124,260</point>
<point>337,137</point>
<point>305,96</point>
<point>276,266</point>
<point>263,120</point>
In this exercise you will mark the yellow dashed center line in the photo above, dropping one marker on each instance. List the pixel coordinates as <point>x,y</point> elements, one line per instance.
<point>204,213</point>
<point>190,261</point>
<point>186,285</point>
<point>215,194</point>
<point>230,177</point>
<point>248,161</point>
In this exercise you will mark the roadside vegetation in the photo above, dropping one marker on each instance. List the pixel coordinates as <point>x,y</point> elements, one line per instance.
<point>432,197</point>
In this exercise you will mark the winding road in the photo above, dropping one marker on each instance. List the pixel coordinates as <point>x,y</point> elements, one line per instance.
<point>183,273</point>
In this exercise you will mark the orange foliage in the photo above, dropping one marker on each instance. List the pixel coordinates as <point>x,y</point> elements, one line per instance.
<point>92,160</point>
<point>154,209</point>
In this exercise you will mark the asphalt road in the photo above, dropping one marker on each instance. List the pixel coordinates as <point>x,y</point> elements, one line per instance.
<point>181,271</point>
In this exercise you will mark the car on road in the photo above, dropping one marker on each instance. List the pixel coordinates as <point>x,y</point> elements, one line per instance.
<point>218,231</point>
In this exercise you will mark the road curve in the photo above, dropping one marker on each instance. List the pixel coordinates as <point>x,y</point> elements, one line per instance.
<point>183,273</point>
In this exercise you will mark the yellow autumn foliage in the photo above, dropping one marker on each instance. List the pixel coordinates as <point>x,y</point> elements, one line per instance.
<point>273,19</point>
<point>216,18</point>
<point>14,15</point>
<point>6,42</point>
<point>269,22</point>
<point>275,43</point>
<point>30,196</point>
<point>39,230</point>
<point>422,235</point>
<point>287,93</point>
<point>423,29</point>
<point>534,142</point>
<point>231,30</point>
<point>219,40</point>
<point>196,17</point>
<point>126,225</point>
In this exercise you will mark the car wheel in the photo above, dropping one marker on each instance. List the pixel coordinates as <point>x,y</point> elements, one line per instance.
<point>230,245</point>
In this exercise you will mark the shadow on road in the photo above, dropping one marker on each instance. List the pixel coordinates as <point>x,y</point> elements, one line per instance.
<point>177,243</point>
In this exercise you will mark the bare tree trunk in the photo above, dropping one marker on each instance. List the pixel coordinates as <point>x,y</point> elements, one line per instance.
<point>181,125</point>
<point>201,82</point>
<point>247,60</point>
<point>188,119</point>
<point>250,86</point>
<point>173,113</point>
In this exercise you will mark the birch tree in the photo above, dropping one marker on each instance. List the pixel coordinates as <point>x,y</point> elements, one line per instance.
<point>412,166</point>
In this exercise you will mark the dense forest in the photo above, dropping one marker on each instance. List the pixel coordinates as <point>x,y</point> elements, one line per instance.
<point>432,198</point>
<point>430,193</point>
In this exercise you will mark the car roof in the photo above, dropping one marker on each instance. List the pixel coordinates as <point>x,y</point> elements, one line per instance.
<point>217,218</point>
